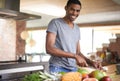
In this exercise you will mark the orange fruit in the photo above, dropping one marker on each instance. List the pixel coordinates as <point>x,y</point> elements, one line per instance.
<point>84,73</point>
<point>85,76</point>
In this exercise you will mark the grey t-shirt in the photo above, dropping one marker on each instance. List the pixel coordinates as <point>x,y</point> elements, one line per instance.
<point>66,39</point>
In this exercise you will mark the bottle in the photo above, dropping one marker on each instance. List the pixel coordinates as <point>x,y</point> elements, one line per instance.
<point>108,56</point>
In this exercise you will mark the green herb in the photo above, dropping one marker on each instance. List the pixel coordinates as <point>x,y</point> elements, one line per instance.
<point>62,73</point>
<point>32,77</point>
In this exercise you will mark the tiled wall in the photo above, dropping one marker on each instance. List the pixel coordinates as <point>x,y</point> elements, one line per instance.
<point>10,42</point>
<point>20,43</point>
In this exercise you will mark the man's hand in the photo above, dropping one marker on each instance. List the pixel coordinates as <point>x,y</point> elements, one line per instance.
<point>81,61</point>
<point>97,65</point>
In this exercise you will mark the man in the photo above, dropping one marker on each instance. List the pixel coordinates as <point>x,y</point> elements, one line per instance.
<point>62,41</point>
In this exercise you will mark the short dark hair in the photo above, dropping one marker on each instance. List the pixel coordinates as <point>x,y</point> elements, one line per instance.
<point>69,2</point>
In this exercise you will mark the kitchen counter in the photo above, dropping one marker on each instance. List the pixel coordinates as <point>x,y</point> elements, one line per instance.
<point>22,66</point>
<point>112,72</point>
<point>18,69</point>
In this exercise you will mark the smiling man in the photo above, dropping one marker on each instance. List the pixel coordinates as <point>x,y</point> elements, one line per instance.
<point>62,41</point>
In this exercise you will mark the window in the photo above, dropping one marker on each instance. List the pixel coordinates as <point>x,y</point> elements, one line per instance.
<point>90,40</point>
<point>39,36</point>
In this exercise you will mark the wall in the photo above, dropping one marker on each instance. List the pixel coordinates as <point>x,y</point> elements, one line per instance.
<point>9,47</point>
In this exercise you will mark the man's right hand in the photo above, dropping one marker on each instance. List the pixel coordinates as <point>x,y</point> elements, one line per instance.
<point>81,61</point>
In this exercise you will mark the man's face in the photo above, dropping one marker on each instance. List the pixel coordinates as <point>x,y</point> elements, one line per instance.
<point>72,11</point>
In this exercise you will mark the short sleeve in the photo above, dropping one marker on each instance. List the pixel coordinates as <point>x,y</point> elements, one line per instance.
<point>52,27</point>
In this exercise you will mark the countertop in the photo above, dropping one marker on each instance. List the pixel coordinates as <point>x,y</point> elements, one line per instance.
<point>13,67</point>
<point>112,72</point>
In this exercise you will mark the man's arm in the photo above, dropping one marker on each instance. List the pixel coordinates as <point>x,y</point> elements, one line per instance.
<point>51,49</point>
